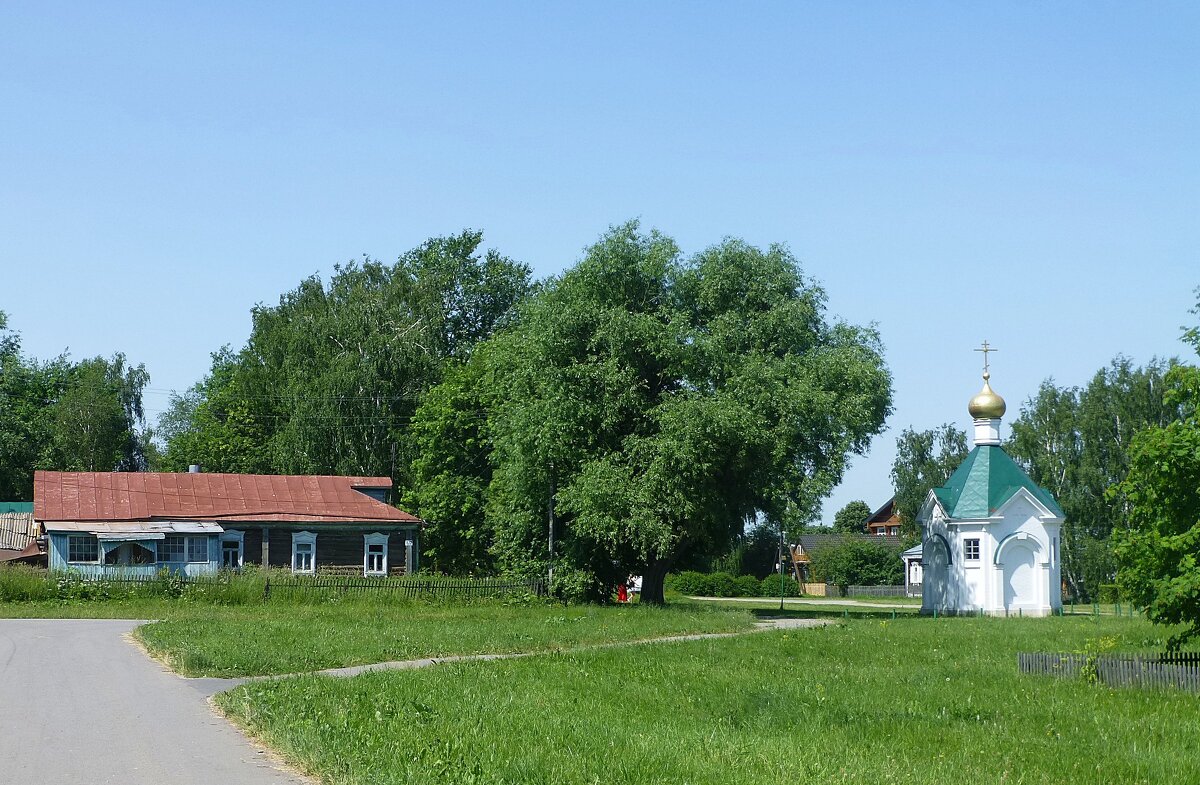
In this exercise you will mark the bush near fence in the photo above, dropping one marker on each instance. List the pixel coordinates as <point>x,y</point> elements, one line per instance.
<point>20,583</point>
<point>1156,671</point>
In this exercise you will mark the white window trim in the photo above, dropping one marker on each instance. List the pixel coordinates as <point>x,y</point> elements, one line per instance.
<point>978,557</point>
<point>377,538</point>
<point>240,538</point>
<point>99,551</point>
<point>305,538</point>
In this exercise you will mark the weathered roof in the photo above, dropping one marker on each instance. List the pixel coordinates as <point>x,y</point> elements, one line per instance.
<point>15,507</point>
<point>124,529</point>
<point>17,530</point>
<point>984,482</point>
<point>884,513</point>
<point>143,496</point>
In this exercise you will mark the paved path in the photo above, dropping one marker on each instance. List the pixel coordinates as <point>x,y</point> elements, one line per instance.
<point>79,704</point>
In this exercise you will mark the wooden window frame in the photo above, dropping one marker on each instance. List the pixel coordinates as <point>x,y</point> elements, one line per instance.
<point>375,540</point>
<point>309,539</point>
<point>94,543</point>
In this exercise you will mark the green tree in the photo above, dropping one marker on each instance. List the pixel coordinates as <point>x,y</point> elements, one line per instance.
<point>644,406</point>
<point>858,562</point>
<point>1157,543</point>
<point>97,420</point>
<point>924,461</point>
<point>1075,442</point>
<point>852,518</point>
<point>331,377</point>
<point>452,471</point>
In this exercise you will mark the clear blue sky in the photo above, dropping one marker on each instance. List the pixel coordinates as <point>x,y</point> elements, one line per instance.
<point>1027,172</point>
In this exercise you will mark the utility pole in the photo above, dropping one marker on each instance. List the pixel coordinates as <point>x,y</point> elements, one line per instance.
<point>781,565</point>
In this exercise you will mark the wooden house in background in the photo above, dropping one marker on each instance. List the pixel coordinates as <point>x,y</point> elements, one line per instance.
<point>885,521</point>
<point>195,523</point>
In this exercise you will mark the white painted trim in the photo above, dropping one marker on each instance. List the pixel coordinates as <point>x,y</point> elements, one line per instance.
<point>376,538</point>
<point>1034,543</point>
<point>1043,511</point>
<point>305,538</point>
<point>233,536</point>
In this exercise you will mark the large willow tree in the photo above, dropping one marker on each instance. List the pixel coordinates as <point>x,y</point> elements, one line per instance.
<point>642,408</point>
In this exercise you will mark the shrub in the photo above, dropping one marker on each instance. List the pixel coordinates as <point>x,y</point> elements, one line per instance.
<point>690,583</point>
<point>746,586</point>
<point>859,563</point>
<point>769,587</point>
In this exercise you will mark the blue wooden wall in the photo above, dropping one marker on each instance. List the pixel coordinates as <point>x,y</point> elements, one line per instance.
<point>57,551</point>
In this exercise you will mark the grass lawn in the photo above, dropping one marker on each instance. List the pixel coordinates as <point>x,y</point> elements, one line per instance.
<point>915,700</point>
<point>196,639</point>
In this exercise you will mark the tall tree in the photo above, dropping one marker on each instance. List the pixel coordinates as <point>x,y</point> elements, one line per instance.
<point>852,519</point>
<point>61,415</point>
<point>644,406</point>
<point>924,461</point>
<point>1158,541</point>
<point>97,420</point>
<point>330,378</point>
<point>1075,442</point>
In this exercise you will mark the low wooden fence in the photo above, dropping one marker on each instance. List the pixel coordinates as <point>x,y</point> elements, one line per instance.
<point>1156,671</point>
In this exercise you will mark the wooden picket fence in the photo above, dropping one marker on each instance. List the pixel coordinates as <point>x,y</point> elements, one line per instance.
<point>1154,671</point>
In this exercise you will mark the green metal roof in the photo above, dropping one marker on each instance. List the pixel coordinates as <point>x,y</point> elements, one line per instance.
<point>16,507</point>
<point>984,482</point>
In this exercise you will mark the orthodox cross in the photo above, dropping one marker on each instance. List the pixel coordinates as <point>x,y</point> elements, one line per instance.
<point>985,351</point>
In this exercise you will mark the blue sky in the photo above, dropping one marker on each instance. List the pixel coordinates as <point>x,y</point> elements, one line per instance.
<point>1026,173</point>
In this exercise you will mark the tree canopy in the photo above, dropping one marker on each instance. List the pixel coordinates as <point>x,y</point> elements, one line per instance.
<point>63,415</point>
<point>644,406</point>
<point>852,518</point>
<point>1075,442</point>
<point>924,461</point>
<point>330,378</point>
<point>1157,543</point>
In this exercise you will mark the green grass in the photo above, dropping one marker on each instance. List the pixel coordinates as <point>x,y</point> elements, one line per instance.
<point>914,700</point>
<point>248,641</point>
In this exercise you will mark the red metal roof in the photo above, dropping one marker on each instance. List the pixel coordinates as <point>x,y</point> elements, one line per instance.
<point>140,496</point>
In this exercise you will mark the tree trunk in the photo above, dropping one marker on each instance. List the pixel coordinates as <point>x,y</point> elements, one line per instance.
<point>652,583</point>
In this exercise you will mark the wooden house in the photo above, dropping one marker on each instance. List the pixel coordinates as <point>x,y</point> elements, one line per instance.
<point>197,523</point>
<point>885,522</point>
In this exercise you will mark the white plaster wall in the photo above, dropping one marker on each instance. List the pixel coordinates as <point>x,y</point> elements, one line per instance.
<point>980,585</point>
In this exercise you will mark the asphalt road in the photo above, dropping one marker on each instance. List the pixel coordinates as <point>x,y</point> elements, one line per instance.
<point>80,704</point>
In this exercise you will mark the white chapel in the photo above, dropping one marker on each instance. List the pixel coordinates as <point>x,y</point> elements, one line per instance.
<point>990,535</point>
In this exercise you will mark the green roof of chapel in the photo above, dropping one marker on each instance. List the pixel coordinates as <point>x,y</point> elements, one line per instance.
<point>984,482</point>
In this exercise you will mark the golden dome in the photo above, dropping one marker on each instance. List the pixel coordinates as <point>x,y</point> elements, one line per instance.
<point>987,405</point>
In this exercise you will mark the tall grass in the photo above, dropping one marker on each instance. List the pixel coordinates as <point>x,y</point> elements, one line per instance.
<point>24,584</point>
<point>915,700</point>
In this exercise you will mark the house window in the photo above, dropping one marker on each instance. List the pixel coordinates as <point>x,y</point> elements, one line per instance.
<point>83,548</point>
<point>304,549</point>
<point>971,549</point>
<point>231,550</point>
<point>375,554</point>
<point>172,549</point>
<point>179,549</point>
<point>197,549</point>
